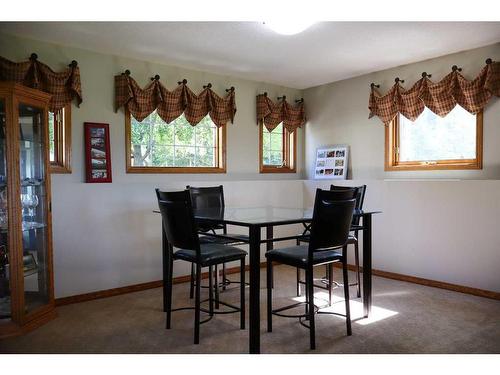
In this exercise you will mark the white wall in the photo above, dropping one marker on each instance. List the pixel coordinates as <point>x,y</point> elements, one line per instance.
<point>440,225</point>
<point>440,230</point>
<point>337,113</point>
<point>105,235</point>
<point>111,237</point>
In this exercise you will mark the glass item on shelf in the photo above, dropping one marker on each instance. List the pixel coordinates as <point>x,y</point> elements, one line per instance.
<point>32,204</point>
<point>34,229</point>
<point>24,202</point>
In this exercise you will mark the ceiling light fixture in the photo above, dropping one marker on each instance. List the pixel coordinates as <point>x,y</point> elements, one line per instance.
<point>289,27</point>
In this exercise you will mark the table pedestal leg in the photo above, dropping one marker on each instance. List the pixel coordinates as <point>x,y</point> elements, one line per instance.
<point>367,265</point>
<point>254,329</point>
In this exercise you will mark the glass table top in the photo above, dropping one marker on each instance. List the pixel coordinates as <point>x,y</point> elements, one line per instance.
<point>260,215</point>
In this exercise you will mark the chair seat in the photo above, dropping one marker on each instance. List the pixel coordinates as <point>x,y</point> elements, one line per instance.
<point>296,256</point>
<point>350,240</point>
<point>236,239</point>
<point>211,254</point>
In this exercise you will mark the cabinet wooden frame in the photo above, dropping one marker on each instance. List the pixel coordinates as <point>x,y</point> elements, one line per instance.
<point>62,141</point>
<point>220,155</point>
<point>392,162</point>
<point>289,153</point>
<point>14,94</point>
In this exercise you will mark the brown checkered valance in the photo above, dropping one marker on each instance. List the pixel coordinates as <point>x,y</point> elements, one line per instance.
<point>64,86</point>
<point>272,114</point>
<point>440,97</point>
<point>171,104</point>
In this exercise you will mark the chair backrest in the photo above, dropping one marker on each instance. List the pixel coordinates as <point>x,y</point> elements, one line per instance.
<point>178,220</point>
<point>207,197</point>
<point>360,198</point>
<point>331,219</point>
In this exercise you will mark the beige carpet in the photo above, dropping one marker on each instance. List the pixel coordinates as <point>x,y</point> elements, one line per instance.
<point>407,318</point>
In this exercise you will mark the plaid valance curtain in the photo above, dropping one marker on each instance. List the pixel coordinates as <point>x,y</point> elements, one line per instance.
<point>440,97</point>
<point>272,114</point>
<point>171,104</point>
<point>64,86</point>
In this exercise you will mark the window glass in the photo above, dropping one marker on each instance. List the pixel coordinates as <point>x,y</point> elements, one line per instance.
<point>433,138</point>
<point>154,143</point>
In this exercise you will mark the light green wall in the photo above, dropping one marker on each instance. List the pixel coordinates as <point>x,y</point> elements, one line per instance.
<point>338,114</point>
<point>97,72</point>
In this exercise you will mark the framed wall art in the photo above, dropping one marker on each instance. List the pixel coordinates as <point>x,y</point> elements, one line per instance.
<point>97,152</point>
<point>331,162</point>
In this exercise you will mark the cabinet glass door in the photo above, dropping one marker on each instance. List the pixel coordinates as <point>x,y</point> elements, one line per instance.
<point>5,304</point>
<point>33,206</point>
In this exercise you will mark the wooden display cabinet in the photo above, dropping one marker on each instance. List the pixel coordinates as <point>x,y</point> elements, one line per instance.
<point>26,273</point>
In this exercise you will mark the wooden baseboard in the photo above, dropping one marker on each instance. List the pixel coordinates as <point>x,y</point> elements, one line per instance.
<point>11,329</point>
<point>432,283</point>
<point>182,279</point>
<point>135,288</point>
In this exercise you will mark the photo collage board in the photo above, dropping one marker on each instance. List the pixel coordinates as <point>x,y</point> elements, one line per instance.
<point>98,157</point>
<point>331,162</point>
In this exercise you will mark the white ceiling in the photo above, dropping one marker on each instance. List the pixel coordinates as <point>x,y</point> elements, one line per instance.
<point>326,52</point>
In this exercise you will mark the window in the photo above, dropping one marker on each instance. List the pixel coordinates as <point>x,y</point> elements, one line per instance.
<point>153,146</point>
<point>277,152</point>
<point>60,140</point>
<point>433,142</point>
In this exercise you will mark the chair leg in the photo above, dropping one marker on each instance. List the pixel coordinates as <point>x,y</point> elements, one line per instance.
<point>356,256</point>
<point>191,286</point>
<point>242,294</point>
<point>346,292</point>
<point>197,305</point>
<point>169,291</point>
<point>223,276</point>
<point>269,268</point>
<point>310,303</point>
<point>216,287</point>
<point>298,283</point>
<point>211,290</point>
<point>307,298</point>
<point>330,284</point>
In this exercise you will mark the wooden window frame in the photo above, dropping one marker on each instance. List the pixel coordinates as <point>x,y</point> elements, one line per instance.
<point>289,153</point>
<point>392,152</point>
<point>62,141</point>
<point>220,155</point>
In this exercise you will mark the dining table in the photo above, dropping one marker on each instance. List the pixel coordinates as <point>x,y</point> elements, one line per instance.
<point>254,219</point>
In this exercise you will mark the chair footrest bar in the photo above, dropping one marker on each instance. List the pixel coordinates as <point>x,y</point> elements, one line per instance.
<point>331,313</point>
<point>277,312</point>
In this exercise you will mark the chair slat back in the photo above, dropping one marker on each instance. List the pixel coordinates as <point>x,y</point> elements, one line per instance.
<point>360,198</point>
<point>207,197</point>
<point>178,220</point>
<point>331,221</point>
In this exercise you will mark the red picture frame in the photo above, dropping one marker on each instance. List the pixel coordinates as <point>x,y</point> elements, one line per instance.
<point>97,152</point>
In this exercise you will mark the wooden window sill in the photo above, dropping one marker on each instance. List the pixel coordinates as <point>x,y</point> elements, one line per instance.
<point>175,170</point>
<point>277,170</point>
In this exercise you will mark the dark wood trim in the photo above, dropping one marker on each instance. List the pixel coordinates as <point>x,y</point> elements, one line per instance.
<point>136,288</point>
<point>62,141</point>
<point>184,279</point>
<point>290,156</point>
<point>11,329</point>
<point>392,162</point>
<point>432,283</point>
<point>221,159</point>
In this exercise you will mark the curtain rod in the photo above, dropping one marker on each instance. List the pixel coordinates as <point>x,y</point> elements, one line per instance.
<point>424,74</point>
